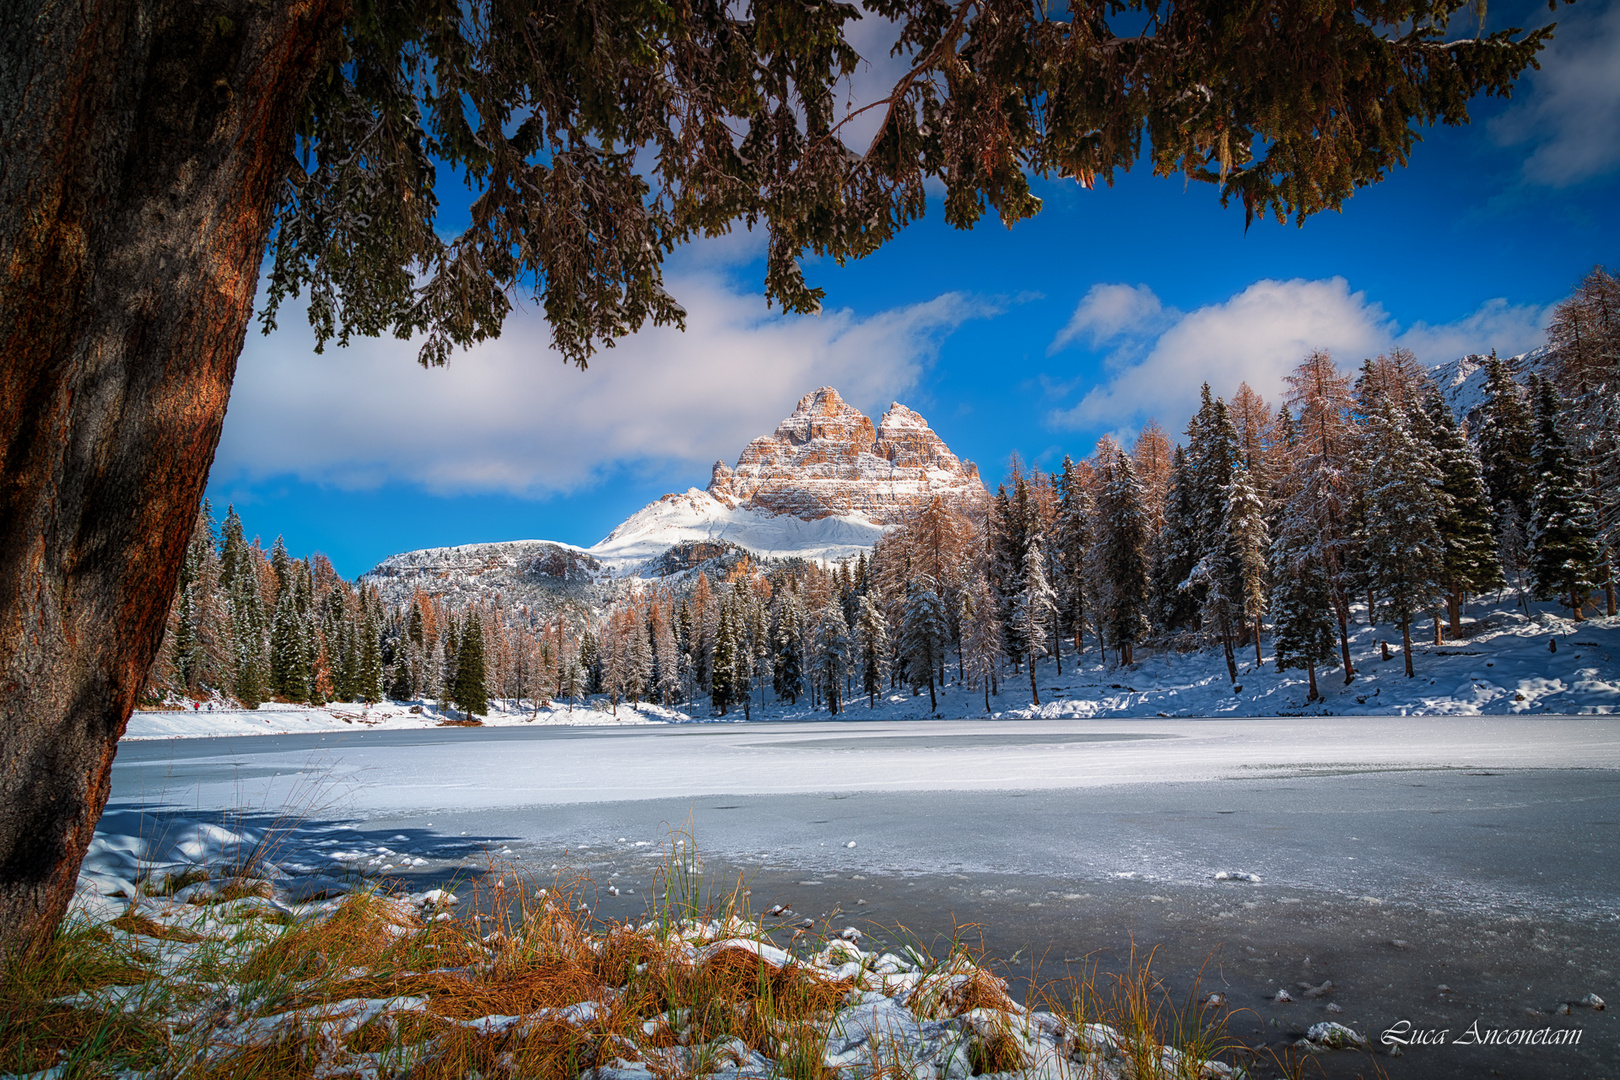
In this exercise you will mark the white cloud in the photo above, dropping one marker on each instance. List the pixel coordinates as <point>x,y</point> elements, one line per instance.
<point>1262,333</point>
<point>1258,335</point>
<point>1108,311</point>
<point>510,416</point>
<point>1510,329</point>
<point>1570,115</point>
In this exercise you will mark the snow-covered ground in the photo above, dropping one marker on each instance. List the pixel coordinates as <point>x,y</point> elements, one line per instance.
<point>1504,665</point>
<point>273,718</point>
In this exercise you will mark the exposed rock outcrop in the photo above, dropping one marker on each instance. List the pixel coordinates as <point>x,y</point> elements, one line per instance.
<point>827,459</point>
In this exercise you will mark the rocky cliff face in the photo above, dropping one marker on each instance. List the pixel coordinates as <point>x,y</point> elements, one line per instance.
<point>827,459</point>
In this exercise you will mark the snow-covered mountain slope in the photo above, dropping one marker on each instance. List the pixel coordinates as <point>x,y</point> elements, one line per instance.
<point>639,544</point>
<point>539,572</point>
<point>1462,381</point>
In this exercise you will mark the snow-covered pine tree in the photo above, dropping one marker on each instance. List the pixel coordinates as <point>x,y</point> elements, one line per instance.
<point>1472,563</point>
<point>1301,600</point>
<point>1402,505</point>
<point>1563,551</point>
<point>289,670</point>
<point>981,634</point>
<point>1009,516</point>
<point>1174,552</point>
<point>639,658</point>
<point>787,665</point>
<point>923,635</point>
<point>368,649</point>
<point>470,694</point>
<point>1124,557</point>
<point>1250,543</point>
<point>1320,479</point>
<point>668,654</point>
<point>831,654</point>
<point>1506,439</point>
<point>1036,605</point>
<point>1071,541</point>
<point>723,663</point>
<point>1585,338</point>
<point>872,643</point>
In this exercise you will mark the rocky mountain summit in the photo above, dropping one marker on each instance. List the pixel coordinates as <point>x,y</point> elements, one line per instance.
<point>825,485</point>
<point>827,459</point>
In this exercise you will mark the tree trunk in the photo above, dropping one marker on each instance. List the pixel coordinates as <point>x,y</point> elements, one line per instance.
<point>1226,645</point>
<point>1341,608</point>
<point>1454,609</point>
<point>1259,659</point>
<point>987,695</point>
<point>1406,644</point>
<point>1034,691</point>
<point>1575,600</point>
<point>142,146</point>
<point>1310,667</point>
<point>933,705</point>
<point>1439,639</point>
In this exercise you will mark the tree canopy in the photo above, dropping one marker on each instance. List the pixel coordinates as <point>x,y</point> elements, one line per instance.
<point>596,135</point>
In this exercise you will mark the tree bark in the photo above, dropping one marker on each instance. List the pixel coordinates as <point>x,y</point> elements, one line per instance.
<point>1406,644</point>
<point>142,147</point>
<point>1034,691</point>
<point>1259,658</point>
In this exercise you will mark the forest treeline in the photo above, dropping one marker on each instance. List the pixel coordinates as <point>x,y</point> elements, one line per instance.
<point>1262,527</point>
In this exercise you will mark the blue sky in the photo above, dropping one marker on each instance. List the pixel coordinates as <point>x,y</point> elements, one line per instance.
<point>1109,307</point>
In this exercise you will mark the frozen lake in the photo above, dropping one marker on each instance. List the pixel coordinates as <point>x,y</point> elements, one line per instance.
<point>1481,810</point>
<point>1486,846</point>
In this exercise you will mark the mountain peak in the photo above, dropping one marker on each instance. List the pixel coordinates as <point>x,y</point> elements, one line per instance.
<point>826,458</point>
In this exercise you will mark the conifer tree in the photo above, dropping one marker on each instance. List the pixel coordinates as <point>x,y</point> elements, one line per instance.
<point>872,643</point>
<point>1175,551</point>
<point>247,636</point>
<point>787,668</point>
<point>1301,601</point>
<point>1320,480</point>
<point>1073,537</point>
<point>1403,503</point>
<point>1472,562</point>
<point>982,634</point>
<point>832,654</point>
<point>1250,542</point>
<point>668,654</point>
<point>1036,604</point>
<point>1124,557</point>
<point>1563,553</point>
<point>722,690</point>
<point>1506,440</point>
<point>289,666</point>
<point>369,667</point>
<point>471,695</point>
<point>923,635</point>
<point>1585,339</point>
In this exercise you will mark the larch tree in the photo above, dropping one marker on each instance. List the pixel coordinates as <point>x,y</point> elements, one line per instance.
<point>1037,603</point>
<point>1585,338</point>
<point>1321,480</point>
<point>154,152</point>
<point>981,634</point>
